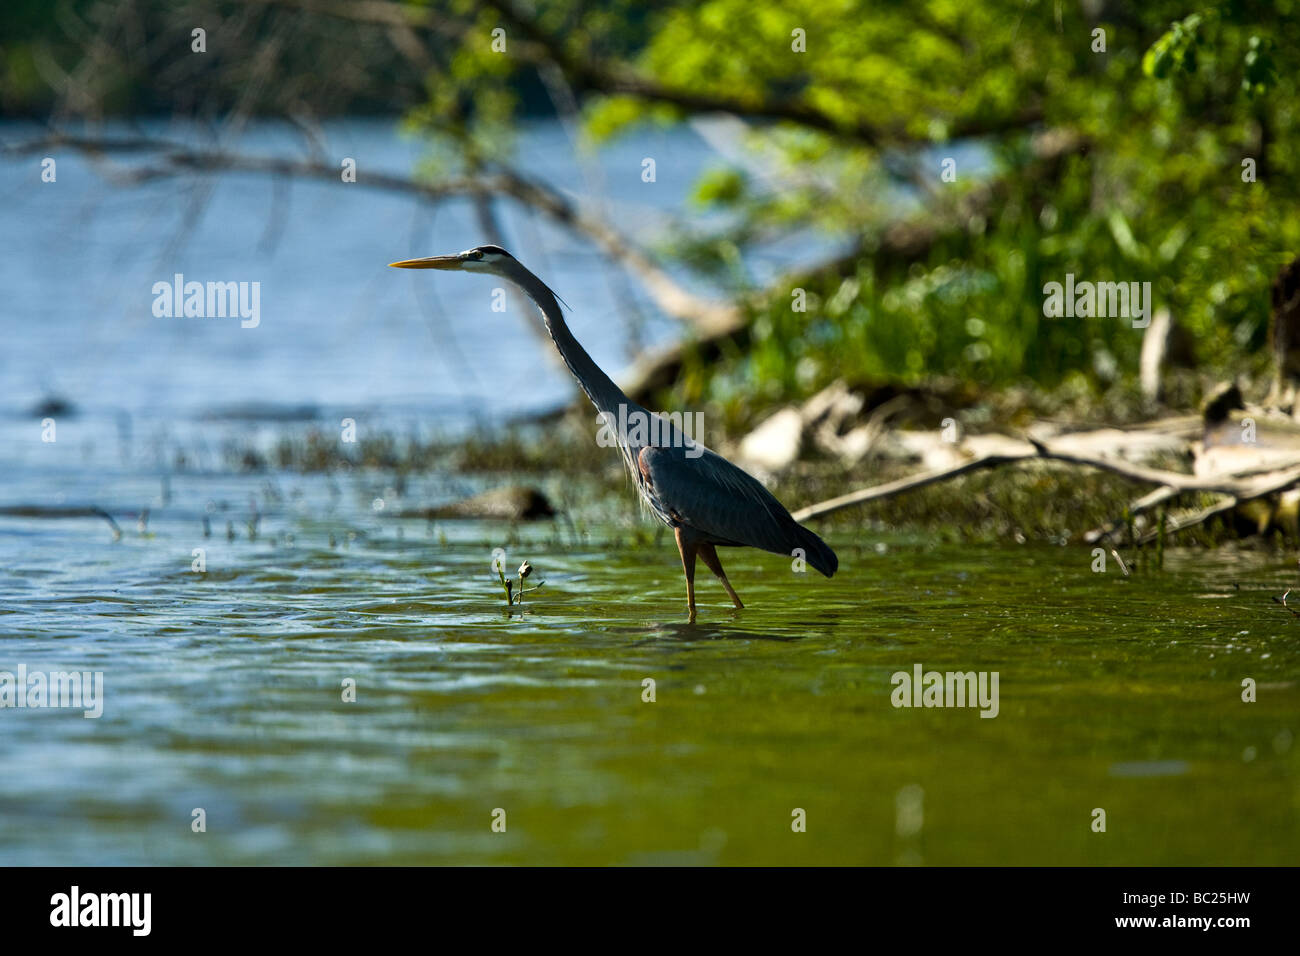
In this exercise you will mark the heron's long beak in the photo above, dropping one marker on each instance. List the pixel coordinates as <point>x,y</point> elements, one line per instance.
<point>432,262</point>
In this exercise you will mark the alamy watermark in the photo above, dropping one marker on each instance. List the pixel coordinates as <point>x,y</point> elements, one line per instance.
<point>211,300</point>
<point>639,427</point>
<point>1087,300</point>
<point>82,690</point>
<point>130,910</point>
<point>951,689</point>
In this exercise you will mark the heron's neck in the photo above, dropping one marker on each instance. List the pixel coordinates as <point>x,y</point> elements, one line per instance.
<point>599,387</point>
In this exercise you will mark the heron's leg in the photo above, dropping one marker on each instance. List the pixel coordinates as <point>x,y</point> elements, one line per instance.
<point>688,550</point>
<point>710,556</point>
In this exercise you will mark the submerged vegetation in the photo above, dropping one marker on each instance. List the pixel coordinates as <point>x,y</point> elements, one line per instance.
<point>583,483</point>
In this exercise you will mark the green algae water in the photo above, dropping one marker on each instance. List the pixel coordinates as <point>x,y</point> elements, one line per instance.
<point>594,725</point>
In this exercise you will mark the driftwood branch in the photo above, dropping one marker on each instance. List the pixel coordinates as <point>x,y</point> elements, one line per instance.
<point>1191,520</point>
<point>1238,488</point>
<point>1142,505</point>
<point>1263,485</point>
<point>911,483</point>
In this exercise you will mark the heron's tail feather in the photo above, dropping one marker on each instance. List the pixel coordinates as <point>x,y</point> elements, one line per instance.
<point>817,551</point>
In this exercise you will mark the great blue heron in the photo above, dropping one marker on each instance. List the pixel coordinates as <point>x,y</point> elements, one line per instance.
<point>704,498</point>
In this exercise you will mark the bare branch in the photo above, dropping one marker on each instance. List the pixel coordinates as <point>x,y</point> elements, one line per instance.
<point>1240,489</point>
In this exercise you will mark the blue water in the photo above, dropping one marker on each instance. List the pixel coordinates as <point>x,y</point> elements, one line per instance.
<point>339,330</point>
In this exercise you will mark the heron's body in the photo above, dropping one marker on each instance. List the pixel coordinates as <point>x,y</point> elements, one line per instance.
<point>705,499</point>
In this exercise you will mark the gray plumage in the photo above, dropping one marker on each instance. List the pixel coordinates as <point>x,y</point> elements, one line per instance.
<point>706,499</point>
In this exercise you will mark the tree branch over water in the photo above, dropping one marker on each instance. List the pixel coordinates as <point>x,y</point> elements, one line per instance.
<point>170,158</point>
<point>586,74</point>
<point>711,322</point>
<point>1238,488</point>
<point>593,75</point>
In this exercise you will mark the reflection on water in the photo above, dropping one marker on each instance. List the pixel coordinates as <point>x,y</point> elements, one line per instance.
<point>224,691</point>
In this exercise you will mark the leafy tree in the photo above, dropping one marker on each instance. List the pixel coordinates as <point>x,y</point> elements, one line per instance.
<point>1114,142</point>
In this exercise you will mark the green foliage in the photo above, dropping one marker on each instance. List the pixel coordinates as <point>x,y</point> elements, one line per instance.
<point>1167,117</point>
<point>1176,50</point>
<point>1260,72</point>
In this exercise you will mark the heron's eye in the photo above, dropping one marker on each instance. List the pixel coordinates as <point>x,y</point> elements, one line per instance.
<point>477,253</point>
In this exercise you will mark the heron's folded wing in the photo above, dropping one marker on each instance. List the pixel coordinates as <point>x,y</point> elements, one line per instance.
<point>712,495</point>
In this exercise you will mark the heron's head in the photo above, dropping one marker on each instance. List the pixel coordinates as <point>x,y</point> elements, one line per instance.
<point>479,259</point>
